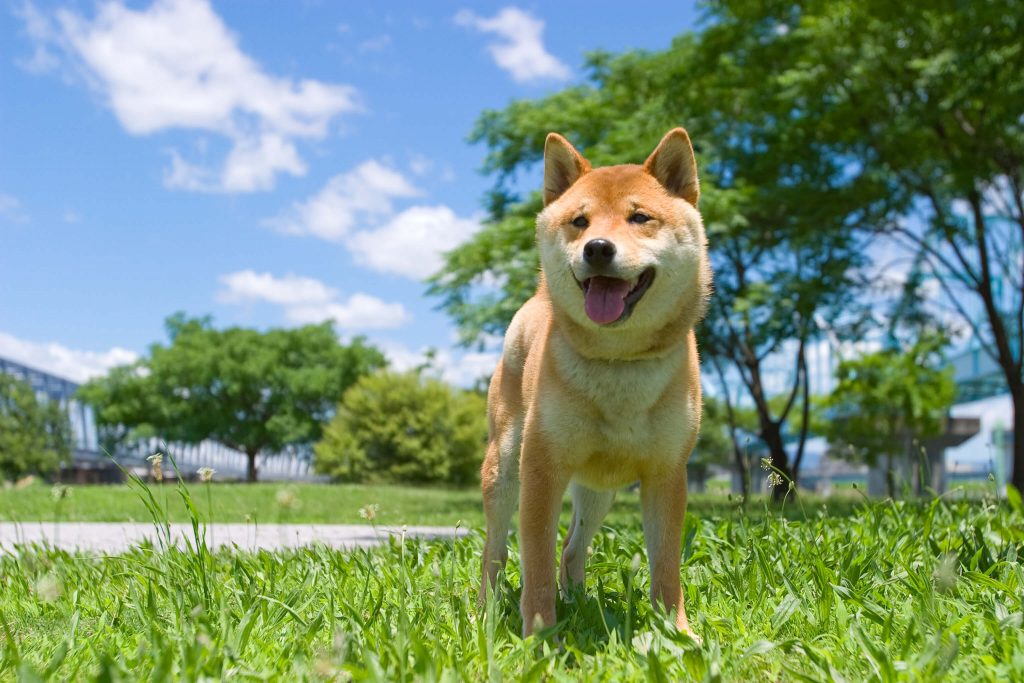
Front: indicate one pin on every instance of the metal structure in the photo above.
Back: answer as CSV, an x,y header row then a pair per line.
x,y
89,463
85,451
977,375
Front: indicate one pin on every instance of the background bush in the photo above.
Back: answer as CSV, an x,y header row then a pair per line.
x,y
404,427
35,437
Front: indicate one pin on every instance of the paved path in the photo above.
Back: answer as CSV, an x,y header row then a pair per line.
x,y
118,537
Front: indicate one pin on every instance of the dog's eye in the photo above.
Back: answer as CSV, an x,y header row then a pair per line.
x,y
580,221
639,218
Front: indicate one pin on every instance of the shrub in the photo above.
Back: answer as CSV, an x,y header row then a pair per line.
x,y
404,427
35,436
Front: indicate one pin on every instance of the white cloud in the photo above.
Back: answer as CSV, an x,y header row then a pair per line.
x,y
400,357
460,368
376,44
465,369
359,312
176,65
10,208
410,243
41,30
253,164
420,165
521,51
347,199
413,242
72,364
290,290
306,300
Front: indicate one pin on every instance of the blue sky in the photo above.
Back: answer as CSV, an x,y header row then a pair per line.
x,y
268,163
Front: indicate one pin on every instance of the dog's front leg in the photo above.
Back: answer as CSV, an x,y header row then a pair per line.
x,y
663,498
542,485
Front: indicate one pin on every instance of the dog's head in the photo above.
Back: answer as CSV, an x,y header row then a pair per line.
x,y
622,248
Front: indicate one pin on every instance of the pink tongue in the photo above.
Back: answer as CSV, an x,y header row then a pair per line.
x,y
605,299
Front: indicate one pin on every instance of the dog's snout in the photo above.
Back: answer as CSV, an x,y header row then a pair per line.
x,y
598,252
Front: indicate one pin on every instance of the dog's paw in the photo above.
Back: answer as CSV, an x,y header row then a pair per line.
x,y
692,635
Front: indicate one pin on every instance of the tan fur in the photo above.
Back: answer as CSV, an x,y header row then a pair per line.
x,y
598,407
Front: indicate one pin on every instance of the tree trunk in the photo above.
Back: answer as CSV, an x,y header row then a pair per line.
x,y
771,434
890,477
743,467
1017,462
739,457
251,472
805,418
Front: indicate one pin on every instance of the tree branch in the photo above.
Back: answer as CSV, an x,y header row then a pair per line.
x,y
800,369
805,421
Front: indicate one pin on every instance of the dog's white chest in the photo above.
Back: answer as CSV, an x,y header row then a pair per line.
x,y
615,414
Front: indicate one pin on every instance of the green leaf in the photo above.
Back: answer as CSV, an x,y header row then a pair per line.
x,y
1014,499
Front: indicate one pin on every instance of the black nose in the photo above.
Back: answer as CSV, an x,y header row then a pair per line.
x,y
598,252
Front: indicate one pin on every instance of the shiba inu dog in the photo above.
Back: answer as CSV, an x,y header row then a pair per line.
x,y
599,382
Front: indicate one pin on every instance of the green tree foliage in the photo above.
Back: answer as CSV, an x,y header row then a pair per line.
x,y
35,436
926,97
887,402
404,427
256,392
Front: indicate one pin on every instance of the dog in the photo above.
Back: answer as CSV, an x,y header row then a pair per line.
x,y
598,386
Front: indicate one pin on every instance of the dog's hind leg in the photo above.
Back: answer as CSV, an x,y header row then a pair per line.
x,y
500,483
589,508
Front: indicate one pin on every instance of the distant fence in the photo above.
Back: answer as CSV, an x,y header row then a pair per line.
x,y
293,464
90,464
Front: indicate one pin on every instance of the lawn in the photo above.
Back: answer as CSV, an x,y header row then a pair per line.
x,y
882,591
324,504
259,503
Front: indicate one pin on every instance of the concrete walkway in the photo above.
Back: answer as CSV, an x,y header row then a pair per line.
x,y
118,537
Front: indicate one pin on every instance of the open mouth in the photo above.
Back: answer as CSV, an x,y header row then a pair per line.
x,y
608,300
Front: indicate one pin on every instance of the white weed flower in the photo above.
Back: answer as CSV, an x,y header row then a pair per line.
x,y
206,473
369,512
156,461
286,498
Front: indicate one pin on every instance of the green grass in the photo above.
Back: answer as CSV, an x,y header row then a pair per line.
x,y
323,504
314,503
886,591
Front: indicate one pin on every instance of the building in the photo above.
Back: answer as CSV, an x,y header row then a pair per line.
x,y
91,464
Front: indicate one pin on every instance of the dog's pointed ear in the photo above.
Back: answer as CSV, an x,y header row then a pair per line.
x,y
673,165
563,166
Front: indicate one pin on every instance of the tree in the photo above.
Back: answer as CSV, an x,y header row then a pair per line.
x,y
714,447
927,96
886,402
256,392
35,436
404,427
785,216
127,409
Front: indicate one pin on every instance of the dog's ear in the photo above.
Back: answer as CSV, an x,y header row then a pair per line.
x,y
673,165
563,166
